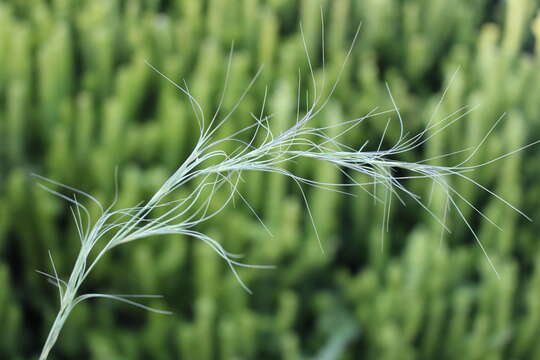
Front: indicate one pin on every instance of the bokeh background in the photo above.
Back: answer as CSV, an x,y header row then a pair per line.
x,y
77,100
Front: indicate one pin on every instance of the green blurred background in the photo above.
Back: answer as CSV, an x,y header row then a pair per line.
x,y
77,100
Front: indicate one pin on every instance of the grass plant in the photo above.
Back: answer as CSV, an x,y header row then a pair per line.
x,y
211,169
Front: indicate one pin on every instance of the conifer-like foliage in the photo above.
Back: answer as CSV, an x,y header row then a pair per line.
x,y
370,191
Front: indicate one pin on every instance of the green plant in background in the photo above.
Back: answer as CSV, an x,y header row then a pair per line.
x,y
77,99
211,168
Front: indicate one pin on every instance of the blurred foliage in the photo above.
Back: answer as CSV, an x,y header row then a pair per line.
x,y
77,100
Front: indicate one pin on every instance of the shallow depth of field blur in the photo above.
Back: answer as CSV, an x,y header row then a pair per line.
x,y
78,100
